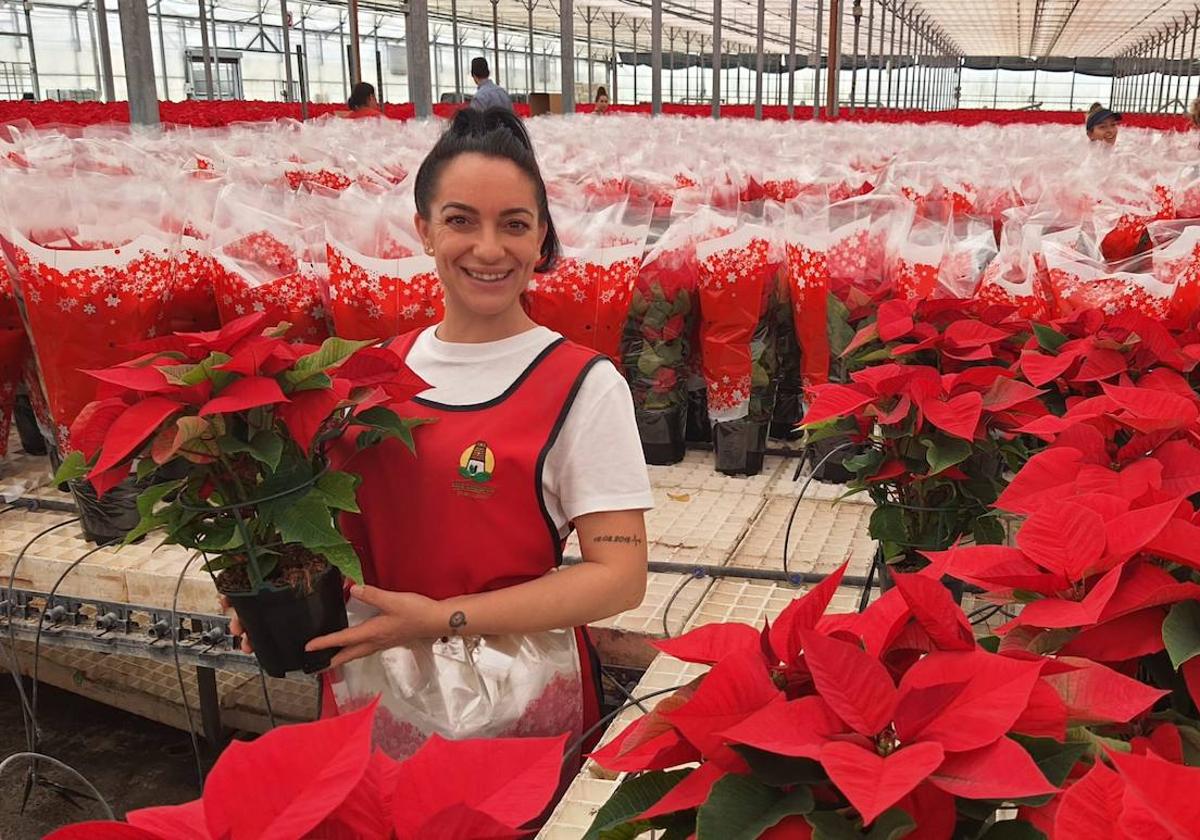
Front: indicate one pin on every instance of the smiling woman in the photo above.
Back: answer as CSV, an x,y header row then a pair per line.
x,y
467,626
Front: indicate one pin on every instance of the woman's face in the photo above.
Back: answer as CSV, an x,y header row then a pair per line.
x,y
484,233
1105,132
601,104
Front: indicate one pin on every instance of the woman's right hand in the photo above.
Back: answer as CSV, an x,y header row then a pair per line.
x,y
235,626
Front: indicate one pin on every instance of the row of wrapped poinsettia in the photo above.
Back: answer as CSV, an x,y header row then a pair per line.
x,y
1078,716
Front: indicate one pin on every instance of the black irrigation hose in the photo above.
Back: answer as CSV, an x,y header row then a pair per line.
x,y
26,709
578,743
36,757
617,683
787,535
37,639
187,706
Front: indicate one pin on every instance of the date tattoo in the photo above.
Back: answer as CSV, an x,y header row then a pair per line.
x,y
624,539
458,620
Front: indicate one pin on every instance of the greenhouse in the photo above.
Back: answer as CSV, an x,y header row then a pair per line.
x,y
566,420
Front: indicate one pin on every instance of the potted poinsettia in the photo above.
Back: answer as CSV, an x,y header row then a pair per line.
x,y
323,779
885,723
243,421
657,345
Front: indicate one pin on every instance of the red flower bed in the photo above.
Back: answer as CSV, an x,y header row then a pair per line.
x,y
203,113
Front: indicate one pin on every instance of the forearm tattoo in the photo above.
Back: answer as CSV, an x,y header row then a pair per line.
x,y
458,620
624,539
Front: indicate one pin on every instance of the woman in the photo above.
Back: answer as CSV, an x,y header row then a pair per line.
x,y
362,101
1102,124
533,436
601,101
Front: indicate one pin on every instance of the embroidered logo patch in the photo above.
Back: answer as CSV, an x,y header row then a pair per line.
x,y
477,463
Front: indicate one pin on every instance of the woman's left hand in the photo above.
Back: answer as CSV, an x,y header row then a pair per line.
x,y
403,617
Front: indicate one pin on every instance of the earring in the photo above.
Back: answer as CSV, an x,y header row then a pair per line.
x,y
428,249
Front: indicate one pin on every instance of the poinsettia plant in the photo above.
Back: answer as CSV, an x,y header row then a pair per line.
x,y
246,416
323,780
880,723
230,430
938,421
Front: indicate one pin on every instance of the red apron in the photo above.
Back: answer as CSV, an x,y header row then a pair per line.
x,y
467,514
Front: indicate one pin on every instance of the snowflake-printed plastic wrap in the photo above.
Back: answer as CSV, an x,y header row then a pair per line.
x,y
1176,261
1079,282
1011,280
263,262
916,260
381,297
381,284
193,302
1121,221
586,295
740,275
809,244
861,231
85,306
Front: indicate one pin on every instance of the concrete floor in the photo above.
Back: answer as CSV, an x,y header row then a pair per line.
x,y
133,762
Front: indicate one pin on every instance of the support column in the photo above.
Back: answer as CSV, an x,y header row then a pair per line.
x,y
817,32
879,72
1191,63
529,7
655,57
758,60
716,60
138,50
671,78
833,77
636,26
205,48
162,52
285,26
33,65
356,59
892,87
91,17
566,49
416,32
792,64
495,41
455,52
856,13
908,67
870,35
106,68
588,17
613,20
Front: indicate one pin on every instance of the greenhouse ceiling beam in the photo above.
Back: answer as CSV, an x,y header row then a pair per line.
x,y
686,13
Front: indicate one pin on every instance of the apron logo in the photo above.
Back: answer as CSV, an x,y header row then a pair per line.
x,y
477,463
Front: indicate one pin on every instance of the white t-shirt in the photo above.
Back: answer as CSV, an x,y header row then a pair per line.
x,y
596,464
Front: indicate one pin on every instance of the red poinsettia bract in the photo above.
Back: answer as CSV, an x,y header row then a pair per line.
x,y
322,780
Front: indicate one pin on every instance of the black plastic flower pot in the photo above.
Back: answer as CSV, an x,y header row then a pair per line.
x,y
699,428
739,446
662,432
912,562
281,621
107,519
832,470
786,415
28,431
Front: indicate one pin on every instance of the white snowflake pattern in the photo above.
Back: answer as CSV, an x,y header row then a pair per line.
x,y
239,309
318,312
430,312
67,304
259,306
113,301
89,309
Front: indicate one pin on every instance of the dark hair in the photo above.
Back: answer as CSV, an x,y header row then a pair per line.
x,y
360,94
479,68
600,91
495,133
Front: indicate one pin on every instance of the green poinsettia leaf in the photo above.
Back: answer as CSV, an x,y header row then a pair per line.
x,y
73,467
614,820
742,808
333,352
1181,632
337,490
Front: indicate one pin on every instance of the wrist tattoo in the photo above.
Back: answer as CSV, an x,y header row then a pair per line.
x,y
625,539
458,620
